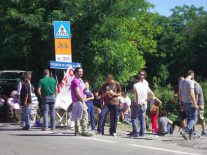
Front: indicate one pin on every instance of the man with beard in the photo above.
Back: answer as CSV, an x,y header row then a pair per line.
x,y
110,92
79,110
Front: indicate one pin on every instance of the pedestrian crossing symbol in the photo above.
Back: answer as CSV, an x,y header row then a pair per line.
x,y
61,29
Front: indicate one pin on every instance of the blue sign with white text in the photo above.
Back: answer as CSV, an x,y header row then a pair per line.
x,y
63,65
61,29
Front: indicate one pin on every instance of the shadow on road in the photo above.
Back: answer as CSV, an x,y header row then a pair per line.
x,y
45,134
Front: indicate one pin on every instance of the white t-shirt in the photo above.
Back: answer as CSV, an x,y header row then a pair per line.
x,y
142,89
13,102
127,101
145,82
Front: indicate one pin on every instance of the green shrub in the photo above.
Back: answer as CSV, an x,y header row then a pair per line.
x,y
169,101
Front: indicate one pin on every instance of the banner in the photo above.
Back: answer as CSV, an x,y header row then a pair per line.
x,y
64,99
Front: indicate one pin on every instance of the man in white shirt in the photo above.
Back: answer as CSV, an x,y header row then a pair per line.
x,y
139,105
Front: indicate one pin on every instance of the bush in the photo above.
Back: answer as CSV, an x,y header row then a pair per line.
x,y
169,101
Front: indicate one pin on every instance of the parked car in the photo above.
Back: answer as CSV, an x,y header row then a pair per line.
x,y
9,80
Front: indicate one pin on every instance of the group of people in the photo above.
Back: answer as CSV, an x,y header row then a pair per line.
x,y
191,102
109,99
25,97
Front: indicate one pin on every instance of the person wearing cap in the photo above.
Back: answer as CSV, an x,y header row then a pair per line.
x,y
13,101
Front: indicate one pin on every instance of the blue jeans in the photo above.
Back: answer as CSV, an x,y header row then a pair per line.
x,y
49,106
140,113
113,118
91,116
26,116
192,116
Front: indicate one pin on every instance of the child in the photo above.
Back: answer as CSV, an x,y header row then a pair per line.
x,y
89,103
165,125
154,109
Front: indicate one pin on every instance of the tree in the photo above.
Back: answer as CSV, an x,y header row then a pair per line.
x,y
108,36
178,45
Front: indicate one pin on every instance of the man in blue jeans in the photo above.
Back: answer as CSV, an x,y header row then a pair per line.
x,y
110,92
139,105
187,97
26,100
47,91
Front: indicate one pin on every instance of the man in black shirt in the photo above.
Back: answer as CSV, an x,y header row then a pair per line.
x,y
25,100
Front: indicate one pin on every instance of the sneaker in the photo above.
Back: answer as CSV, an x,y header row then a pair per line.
x,y
21,124
114,134
134,135
142,135
204,134
26,128
184,134
45,129
191,136
87,134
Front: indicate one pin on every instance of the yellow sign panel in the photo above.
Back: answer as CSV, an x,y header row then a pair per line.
x,y
63,46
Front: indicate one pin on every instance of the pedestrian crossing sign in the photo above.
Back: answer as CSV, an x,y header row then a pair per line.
x,y
61,29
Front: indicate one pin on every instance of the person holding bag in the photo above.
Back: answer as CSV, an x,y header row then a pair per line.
x,y
110,92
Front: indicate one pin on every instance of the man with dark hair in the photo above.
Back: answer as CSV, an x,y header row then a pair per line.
x,y
79,110
187,97
139,105
26,100
200,102
110,92
47,91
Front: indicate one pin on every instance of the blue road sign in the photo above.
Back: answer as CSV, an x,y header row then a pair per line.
x,y
63,65
61,29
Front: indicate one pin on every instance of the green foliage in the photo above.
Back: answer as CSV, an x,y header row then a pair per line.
x,y
162,76
108,36
169,102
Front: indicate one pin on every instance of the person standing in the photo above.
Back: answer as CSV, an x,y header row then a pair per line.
x,y
79,110
139,105
89,103
26,100
200,102
47,91
182,113
189,104
110,92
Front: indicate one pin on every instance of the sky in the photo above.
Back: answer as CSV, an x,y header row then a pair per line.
x,y
163,7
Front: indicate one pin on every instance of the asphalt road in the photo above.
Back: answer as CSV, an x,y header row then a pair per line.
x,y
14,141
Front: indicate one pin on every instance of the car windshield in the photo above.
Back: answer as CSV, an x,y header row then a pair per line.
x,y
10,75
